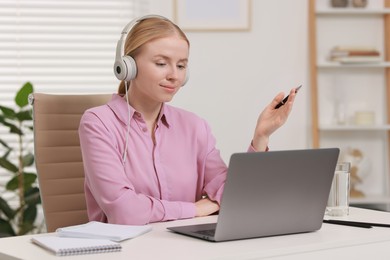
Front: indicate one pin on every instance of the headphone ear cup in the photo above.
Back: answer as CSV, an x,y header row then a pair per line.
x,y
120,69
187,77
131,68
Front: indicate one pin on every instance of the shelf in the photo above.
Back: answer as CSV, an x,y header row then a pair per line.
x,y
324,64
354,128
352,26
352,11
371,199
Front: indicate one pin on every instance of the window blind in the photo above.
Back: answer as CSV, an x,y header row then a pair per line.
x,y
60,46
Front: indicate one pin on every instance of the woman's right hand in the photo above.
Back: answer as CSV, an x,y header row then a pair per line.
x,y
271,119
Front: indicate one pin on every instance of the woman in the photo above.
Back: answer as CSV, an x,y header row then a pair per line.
x,y
146,161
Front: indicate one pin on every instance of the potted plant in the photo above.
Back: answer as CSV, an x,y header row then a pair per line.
x,y
18,219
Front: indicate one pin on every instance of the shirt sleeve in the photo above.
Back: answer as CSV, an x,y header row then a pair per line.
x,y
110,190
215,169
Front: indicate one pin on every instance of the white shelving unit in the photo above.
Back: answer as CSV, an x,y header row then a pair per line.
x,y
354,87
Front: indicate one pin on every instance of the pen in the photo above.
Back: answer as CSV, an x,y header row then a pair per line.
x,y
348,223
364,223
281,103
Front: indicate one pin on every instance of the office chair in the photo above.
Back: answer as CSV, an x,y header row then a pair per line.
x,y
58,155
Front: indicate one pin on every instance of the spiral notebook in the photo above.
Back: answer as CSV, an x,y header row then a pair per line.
x,y
94,229
63,246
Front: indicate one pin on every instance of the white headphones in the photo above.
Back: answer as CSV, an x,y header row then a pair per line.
x,y
125,67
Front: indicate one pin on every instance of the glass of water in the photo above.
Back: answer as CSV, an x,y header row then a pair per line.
x,y
338,202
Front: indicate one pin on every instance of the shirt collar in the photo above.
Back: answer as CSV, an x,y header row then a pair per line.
x,y
120,108
164,116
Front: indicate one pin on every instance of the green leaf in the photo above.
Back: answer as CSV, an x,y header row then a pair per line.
x,y
30,214
8,112
25,228
6,209
7,153
21,98
24,115
4,144
13,128
28,160
29,179
8,165
32,196
6,229
16,130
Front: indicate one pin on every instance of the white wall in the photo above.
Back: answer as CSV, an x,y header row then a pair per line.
x,y
235,74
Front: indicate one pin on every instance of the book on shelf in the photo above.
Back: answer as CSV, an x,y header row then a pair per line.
x,y
353,48
359,59
355,54
349,53
64,246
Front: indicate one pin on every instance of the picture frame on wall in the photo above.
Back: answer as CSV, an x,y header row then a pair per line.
x,y
213,15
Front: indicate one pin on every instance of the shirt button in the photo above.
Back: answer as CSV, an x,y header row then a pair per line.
x,y
144,129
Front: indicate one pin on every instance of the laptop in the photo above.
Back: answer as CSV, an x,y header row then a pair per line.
x,y
271,193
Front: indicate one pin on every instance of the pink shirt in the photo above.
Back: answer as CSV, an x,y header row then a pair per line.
x,y
158,182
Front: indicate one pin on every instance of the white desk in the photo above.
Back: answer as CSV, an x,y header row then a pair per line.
x,y
330,242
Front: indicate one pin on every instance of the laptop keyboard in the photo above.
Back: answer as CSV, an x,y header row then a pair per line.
x,y
208,232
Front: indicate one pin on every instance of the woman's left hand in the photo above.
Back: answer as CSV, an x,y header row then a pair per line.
x,y
205,207
271,119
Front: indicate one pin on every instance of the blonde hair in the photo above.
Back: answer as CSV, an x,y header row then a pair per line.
x,y
145,31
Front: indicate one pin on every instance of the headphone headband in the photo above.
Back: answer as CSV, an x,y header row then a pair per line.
x,y
120,48
125,67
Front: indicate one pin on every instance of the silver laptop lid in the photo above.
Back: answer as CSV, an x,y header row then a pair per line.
x,y
276,192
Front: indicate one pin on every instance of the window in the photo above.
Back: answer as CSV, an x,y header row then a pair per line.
x,y
60,46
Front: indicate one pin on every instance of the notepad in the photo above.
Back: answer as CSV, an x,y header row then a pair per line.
x,y
64,246
101,230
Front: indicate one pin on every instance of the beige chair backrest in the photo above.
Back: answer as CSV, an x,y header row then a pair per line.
x,y
58,155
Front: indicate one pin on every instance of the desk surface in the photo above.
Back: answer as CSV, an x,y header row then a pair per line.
x,y
330,241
